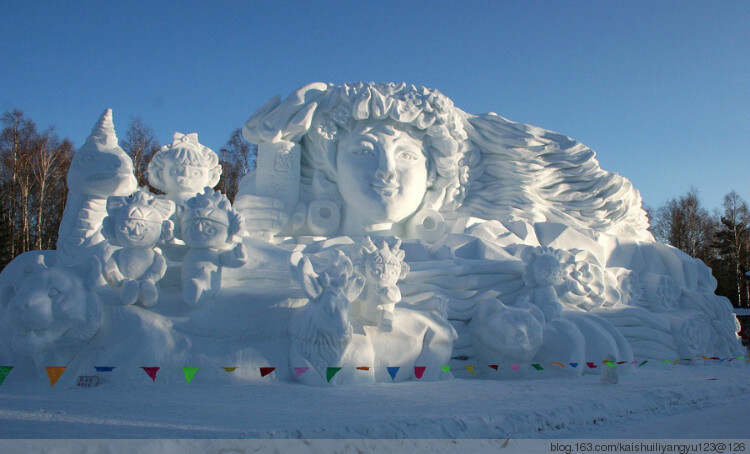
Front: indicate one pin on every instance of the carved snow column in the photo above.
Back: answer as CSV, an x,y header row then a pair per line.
x,y
278,172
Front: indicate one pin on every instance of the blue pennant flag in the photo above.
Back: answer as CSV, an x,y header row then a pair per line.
x,y
393,371
573,364
104,368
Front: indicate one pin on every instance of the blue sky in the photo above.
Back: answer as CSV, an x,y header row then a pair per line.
x,y
661,90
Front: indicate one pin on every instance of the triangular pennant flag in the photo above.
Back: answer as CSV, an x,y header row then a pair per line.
x,y
666,361
229,369
494,366
643,362
393,371
674,363
715,358
621,362
189,373
739,357
151,371
706,357
446,368
54,374
591,365
732,359
557,363
712,379
4,371
104,368
266,370
573,364
362,367
471,370
299,371
537,366
419,371
609,363
330,372
515,366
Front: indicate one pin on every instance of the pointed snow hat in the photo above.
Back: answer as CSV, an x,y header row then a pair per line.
x,y
103,134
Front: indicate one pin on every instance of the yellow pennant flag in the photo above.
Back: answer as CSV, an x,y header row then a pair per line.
x,y
471,370
54,374
229,369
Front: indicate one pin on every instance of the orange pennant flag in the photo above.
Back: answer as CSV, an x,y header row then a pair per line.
x,y
54,374
557,363
363,368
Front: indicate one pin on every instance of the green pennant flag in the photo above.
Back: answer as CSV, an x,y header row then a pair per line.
x,y
643,362
4,371
330,372
446,368
609,363
189,373
537,366
666,361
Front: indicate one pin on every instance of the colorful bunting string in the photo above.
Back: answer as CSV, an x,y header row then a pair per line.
x,y
4,371
330,372
54,374
151,371
189,373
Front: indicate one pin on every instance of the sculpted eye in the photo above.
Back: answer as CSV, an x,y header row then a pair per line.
x,y
408,156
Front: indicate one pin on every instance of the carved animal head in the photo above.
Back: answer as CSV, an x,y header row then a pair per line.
x,y
100,167
384,265
330,293
50,310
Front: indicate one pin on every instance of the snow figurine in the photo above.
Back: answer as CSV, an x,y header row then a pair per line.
x,y
210,229
543,273
384,266
609,374
137,223
183,168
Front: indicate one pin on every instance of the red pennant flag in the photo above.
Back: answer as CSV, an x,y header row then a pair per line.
x,y
621,362
419,371
591,365
494,366
151,371
266,370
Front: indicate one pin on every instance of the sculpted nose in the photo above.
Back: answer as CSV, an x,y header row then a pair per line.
x,y
386,165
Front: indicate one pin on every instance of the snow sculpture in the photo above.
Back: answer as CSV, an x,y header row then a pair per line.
x,y
183,168
384,266
209,228
321,333
475,195
137,223
51,314
100,169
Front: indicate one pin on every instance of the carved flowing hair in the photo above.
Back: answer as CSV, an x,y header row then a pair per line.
x,y
483,166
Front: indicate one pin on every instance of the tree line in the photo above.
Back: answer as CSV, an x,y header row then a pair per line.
x,y
34,164
720,238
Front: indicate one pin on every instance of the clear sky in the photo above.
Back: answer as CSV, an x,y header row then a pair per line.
x,y
660,89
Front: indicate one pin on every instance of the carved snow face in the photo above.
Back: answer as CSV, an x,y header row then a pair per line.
x,y
385,271
138,232
382,173
205,233
181,177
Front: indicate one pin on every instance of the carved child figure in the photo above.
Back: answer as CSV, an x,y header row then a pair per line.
x,y
384,267
210,229
137,223
183,168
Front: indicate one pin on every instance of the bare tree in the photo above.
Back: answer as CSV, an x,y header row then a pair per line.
x,y
732,239
686,225
237,157
140,144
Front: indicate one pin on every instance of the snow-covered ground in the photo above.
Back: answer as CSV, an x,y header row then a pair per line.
x,y
703,401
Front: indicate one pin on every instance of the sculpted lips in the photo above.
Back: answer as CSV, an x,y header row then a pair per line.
x,y
385,188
